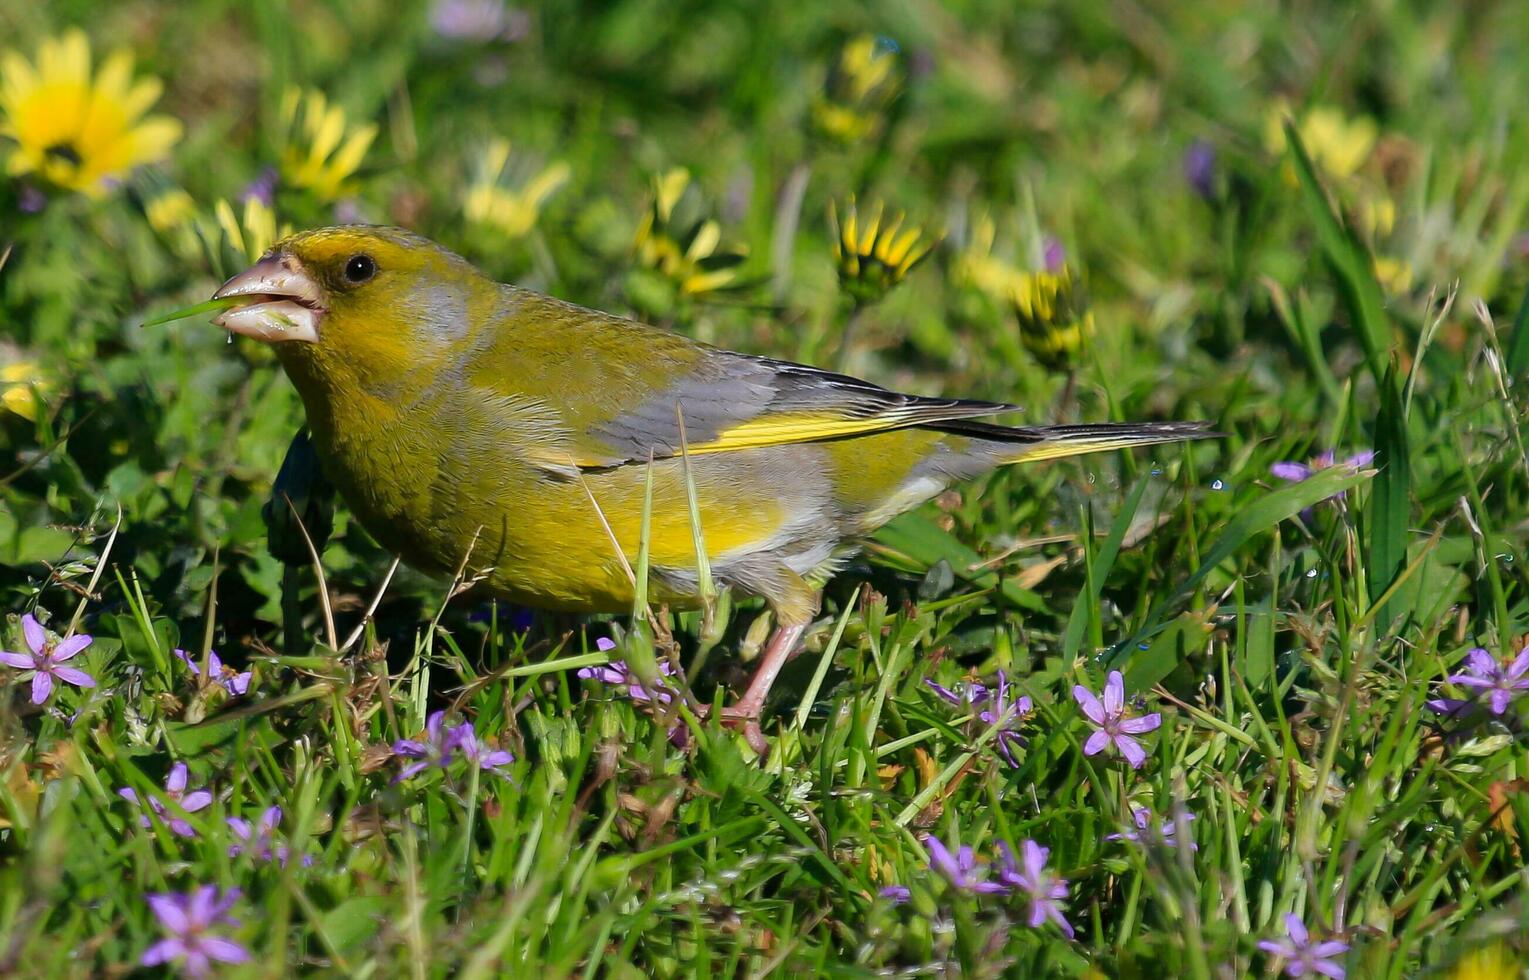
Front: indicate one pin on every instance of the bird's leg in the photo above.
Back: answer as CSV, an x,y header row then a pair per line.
x,y
744,713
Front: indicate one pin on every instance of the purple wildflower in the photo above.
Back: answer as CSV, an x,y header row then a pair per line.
x,y
1148,831
960,868
617,673
897,894
1042,887
262,188
480,755
1484,674
1451,709
993,706
1053,255
187,921
175,790
259,839
226,677
1301,955
1200,168
45,659
478,20
435,751
1113,724
30,200
1296,472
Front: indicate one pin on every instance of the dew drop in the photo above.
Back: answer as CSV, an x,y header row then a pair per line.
x,y
1311,573
1217,485
1157,471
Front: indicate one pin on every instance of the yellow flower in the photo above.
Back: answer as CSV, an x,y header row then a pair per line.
x,y
976,265
75,132
322,151
873,256
1394,275
1492,963
862,83
1337,145
676,239
246,237
515,209
1054,321
169,210
21,387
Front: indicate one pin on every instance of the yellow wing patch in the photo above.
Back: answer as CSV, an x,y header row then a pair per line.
x,y
784,429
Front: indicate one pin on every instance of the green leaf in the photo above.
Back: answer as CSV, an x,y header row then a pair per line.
x,y
1353,266
1389,504
912,541
1518,345
1261,515
1101,565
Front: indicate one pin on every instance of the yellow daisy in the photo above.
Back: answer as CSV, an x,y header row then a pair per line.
x,y
22,387
873,256
322,149
242,238
514,208
864,80
677,239
74,131
1339,146
1054,320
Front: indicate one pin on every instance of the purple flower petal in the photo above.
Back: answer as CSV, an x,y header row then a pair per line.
x,y
1114,694
941,860
1296,929
1142,725
1294,472
170,912
33,632
70,675
1096,743
22,660
1132,750
196,800
42,686
1089,703
224,950
70,648
176,781
1481,662
162,952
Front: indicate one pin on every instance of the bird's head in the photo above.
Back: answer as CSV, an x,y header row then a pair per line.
x,y
384,302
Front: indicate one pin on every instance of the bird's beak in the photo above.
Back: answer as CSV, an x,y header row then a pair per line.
x,y
281,302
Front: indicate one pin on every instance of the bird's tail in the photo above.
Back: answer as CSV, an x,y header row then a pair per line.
x,y
1022,444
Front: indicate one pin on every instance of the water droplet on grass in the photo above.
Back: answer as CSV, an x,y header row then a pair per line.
x,y
1217,485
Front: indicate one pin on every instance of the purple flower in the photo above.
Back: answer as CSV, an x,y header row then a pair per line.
x,y
1451,709
262,188
30,200
226,677
45,659
175,790
1053,255
1043,888
478,20
897,894
259,840
1113,724
617,673
1484,674
960,868
993,706
1296,472
188,920
1200,168
1301,955
1153,832
480,755
435,751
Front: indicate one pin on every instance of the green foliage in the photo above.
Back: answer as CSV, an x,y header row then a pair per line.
x,y
1297,286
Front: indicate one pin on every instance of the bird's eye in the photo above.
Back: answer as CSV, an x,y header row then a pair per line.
x,y
359,268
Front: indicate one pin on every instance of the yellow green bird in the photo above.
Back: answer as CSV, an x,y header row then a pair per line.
x,y
464,420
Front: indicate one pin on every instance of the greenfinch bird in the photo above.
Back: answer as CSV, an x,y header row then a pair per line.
x,y
480,426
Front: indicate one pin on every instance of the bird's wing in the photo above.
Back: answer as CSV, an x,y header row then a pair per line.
x,y
619,391
734,401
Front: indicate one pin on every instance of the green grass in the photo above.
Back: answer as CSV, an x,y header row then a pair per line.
x,y
1290,655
